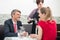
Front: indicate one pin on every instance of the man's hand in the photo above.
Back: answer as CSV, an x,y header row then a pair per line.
x,y
25,33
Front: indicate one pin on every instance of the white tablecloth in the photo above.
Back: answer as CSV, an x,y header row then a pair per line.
x,y
19,38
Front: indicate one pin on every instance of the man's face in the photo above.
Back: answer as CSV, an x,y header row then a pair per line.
x,y
40,5
17,16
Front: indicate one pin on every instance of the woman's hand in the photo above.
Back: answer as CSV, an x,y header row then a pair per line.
x,y
33,35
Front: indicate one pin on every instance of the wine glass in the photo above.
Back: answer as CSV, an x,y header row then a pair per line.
x,y
21,31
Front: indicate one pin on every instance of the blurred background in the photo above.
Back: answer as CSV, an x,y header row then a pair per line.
x,y
26,6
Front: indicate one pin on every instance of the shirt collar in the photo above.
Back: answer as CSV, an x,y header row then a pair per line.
x,y
14,22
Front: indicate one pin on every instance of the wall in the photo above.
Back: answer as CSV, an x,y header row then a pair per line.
x,y
26,6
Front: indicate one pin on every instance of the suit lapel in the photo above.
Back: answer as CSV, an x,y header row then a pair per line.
x,y
12,27
17,25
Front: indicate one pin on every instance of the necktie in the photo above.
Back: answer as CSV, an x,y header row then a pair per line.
x,y
15,28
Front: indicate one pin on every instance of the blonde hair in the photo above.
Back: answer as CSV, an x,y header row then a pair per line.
x,y
47,12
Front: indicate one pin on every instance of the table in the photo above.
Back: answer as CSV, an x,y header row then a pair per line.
x,y
19,38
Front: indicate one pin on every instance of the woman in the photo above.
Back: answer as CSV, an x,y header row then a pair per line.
x,y
34,15
46,26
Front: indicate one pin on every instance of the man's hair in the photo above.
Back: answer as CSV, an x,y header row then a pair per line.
x,y
38,1
14,11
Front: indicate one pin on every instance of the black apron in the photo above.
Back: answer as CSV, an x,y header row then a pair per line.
x,y
35,16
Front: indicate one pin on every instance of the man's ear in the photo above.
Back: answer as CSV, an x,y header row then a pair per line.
x,y
12,15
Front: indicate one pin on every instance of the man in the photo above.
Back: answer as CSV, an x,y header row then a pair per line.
x,y
34,15
11,26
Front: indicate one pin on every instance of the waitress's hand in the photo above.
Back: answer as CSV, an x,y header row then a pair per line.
x,y
30,20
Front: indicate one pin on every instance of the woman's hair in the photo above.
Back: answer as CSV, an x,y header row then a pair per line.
x,y
38,1
47,12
